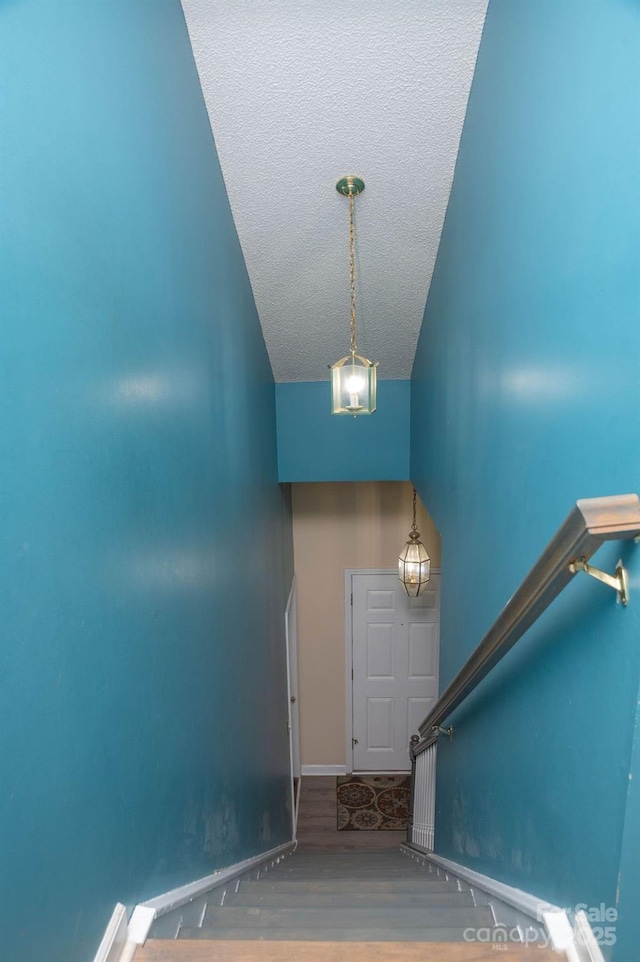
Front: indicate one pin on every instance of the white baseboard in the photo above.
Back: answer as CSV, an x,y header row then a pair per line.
x,y
323,770
115,936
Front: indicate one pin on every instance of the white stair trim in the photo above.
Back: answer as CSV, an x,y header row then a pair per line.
x,y
186,893
115,936
120,939
507,903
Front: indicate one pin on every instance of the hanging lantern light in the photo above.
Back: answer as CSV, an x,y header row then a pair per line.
x,y
414,564
353,378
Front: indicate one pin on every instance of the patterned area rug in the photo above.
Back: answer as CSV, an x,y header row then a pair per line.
x,y
373,803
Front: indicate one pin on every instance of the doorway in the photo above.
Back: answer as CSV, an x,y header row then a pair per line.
x,y
392,644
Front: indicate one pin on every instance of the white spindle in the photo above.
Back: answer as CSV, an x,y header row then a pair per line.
x,y
424,800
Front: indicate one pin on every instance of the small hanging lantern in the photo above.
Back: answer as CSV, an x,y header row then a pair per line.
x,y
414,564
353,378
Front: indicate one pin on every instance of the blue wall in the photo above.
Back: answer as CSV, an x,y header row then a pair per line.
x,y
629,876
315,445
525,398
143,706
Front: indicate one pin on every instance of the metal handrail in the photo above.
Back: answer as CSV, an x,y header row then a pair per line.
x,y
592,522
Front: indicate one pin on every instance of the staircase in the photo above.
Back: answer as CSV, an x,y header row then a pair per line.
x,y
335,906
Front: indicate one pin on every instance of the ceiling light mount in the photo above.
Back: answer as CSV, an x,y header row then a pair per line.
x,y
350,186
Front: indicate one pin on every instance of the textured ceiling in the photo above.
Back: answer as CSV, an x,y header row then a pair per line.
x,y
301,92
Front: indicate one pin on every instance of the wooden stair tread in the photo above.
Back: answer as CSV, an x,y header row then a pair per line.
x,y
419,885
396,855
360,869
295,899
356,874
307,933
294,951
416,917
312,840
390,859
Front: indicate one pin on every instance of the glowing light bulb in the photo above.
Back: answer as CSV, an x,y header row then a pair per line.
x,y
355,383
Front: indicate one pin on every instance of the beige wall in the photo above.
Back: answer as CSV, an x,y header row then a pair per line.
x,y
336,526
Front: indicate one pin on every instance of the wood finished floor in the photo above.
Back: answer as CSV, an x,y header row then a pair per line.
x,y
239,951
317,822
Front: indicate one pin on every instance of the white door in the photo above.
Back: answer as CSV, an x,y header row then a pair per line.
x,y
395,668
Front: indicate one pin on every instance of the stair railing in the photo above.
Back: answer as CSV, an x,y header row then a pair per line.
x,y
591,522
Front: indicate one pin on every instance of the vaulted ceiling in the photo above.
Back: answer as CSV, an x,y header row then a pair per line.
x,y
302,92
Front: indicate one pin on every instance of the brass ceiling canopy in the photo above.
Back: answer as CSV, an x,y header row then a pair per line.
x,y
350,186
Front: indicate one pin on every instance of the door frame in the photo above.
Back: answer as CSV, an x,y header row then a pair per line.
x,y
293,714
348,643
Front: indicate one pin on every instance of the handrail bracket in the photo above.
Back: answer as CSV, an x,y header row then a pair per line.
x,y
439,730
619,581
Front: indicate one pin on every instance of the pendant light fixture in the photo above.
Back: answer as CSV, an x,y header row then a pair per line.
x,y
353,378
414,564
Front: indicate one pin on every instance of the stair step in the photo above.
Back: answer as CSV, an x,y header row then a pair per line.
x,y
295,898
394,855
368,933
389,856
352,860
310,874
322,839
291,951
346,917
425,885
382,870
